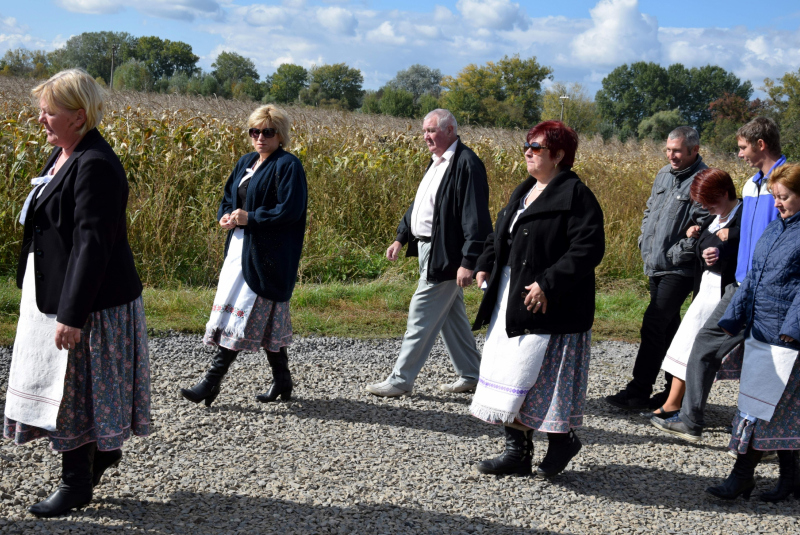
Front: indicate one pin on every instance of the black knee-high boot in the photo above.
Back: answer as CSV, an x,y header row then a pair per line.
x,y
281,377
741,479
75,488
561,448
208,388
788,478
103,460
516,458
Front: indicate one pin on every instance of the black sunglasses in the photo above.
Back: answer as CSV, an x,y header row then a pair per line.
x,y
268,132
535,147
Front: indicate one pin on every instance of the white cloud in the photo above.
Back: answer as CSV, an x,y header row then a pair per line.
x,y
269,16
442,15
493,14
620,33
385,34
338,20
93,7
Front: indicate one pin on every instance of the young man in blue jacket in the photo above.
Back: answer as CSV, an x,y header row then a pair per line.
x,y
760,146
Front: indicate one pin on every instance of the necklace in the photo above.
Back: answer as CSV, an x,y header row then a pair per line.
x,y
538,188
726,216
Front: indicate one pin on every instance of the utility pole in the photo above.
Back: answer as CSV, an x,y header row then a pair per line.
x,y
113,51
562,99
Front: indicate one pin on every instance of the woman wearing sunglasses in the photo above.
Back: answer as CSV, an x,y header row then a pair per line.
x,y
264,211
538,267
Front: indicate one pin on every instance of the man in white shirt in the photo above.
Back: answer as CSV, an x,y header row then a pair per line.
x,y
445,227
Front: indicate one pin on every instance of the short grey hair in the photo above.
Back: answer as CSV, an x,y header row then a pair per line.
x,y
688,134
443,119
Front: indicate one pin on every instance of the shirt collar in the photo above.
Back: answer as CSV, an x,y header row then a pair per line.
x,y
451,150
760,175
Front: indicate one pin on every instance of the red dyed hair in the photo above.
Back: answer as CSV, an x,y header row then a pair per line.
x,y
710,185
557,136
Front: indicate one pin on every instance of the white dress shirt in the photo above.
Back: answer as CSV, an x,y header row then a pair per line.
x,y
422,214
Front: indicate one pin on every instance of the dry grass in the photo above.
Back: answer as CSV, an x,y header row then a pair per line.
x,y
362,171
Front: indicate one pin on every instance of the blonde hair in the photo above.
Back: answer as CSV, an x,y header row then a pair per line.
x,y
788,176
73,89
272,114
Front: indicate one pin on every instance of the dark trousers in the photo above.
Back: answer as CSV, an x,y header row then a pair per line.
x,y
710,346
659,325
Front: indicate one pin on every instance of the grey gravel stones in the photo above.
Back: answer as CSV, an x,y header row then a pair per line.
x,y
339,460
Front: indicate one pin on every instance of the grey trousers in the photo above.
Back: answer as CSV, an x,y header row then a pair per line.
x,y
435,307
710,347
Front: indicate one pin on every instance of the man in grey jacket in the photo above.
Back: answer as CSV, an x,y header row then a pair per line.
x,y
668,256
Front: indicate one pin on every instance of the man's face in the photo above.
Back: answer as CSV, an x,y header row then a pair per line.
x,y
679,155
752,154
436,139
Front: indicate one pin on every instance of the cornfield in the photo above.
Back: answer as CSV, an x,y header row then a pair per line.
x,y
362,171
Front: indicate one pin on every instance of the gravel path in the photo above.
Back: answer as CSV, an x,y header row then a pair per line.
x,y
338,460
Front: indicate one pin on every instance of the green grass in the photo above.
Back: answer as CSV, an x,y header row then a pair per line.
x,y
365,310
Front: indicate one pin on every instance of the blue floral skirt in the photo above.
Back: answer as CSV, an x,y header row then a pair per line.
x,y
269,326
555,402
106,388
782,432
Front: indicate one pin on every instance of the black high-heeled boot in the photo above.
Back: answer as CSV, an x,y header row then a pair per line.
x,y
103,460
741,479
281,378
516,458
561,448
208,388
75,488
788,478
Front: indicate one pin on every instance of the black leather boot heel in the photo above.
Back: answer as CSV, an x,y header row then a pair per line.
x,y
281,378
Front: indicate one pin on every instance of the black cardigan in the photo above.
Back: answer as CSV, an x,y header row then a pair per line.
x,y
461,219
725,265
276,205
557,242
78,232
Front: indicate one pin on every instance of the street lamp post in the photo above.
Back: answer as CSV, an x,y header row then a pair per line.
x,y
563,98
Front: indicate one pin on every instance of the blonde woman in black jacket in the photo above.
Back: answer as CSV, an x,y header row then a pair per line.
x,y
538,270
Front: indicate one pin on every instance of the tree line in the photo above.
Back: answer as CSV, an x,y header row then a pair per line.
x,y
640,100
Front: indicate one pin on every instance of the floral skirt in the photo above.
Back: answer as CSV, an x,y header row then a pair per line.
x,y
555,403
269,325
106,388
782,432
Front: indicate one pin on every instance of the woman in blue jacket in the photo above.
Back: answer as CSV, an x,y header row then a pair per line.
x,y
264,210
767,307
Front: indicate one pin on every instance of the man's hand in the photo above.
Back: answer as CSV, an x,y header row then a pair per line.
x,y
464,277
481,277
67,337
393,251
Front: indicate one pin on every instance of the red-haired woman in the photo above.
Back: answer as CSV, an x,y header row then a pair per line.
x,y
538,270
716,250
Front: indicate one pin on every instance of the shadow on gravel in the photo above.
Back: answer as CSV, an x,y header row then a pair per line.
x,y
201,514
654,487
355,411
716,415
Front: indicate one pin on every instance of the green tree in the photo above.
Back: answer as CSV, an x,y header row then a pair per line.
x,y
371,103
427,103
506,93
334,85
133,75
580,112
164,58
784,99
658,126
418,80
728,113
397,102
92,51
629,94
287,82
230,67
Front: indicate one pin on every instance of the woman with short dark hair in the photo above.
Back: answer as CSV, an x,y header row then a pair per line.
x,y
538,271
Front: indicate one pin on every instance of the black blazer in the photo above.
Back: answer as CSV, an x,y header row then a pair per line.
x,y
461,218
557,242
725,265
78,233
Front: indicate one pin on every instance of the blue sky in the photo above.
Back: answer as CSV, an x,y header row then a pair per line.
x,y
582,40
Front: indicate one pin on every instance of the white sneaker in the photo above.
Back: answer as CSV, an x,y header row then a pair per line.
x,y
461,385
386,390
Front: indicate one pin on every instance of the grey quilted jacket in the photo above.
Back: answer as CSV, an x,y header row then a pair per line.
x,y
670,212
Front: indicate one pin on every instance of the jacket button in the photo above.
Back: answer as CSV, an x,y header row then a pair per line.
x,y
38,274
527,331
524,232
524,262
524,295
38,252
38,230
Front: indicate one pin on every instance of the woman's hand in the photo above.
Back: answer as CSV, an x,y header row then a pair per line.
x,y
226,222
535,300
240,216
693,231
481,277
711,255
722,234
787,339
67,337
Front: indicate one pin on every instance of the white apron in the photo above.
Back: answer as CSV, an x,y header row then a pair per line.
x,y
765,372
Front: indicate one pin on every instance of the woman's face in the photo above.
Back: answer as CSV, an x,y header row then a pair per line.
x,y
541,165
61,125
786,201
720,206
266,145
